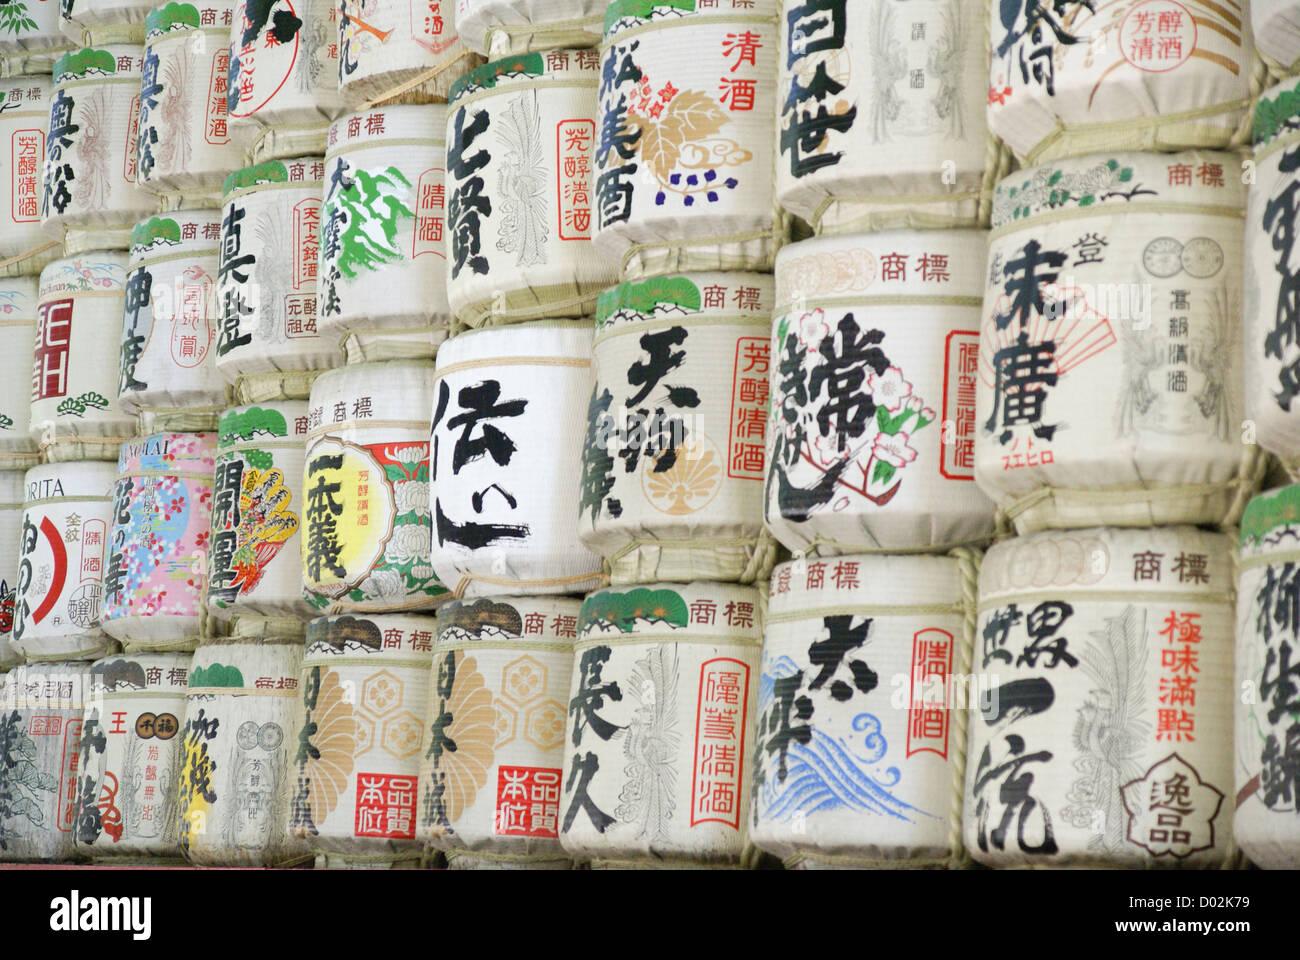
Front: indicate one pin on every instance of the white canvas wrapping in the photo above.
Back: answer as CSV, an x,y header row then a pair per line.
x,y
74,413
685,168
506,459
1102,736
872,654
34,40
1276,26
658,767
521,142
1110,362
18,448
882,108
25,247
402,51
87,15
501,28
672,476
11,526
383,260
499,691
1130,75
871,441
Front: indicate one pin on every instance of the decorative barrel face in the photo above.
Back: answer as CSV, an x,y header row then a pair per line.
x,y
684,170
1172,74
18,313
1103,737
858,731
365,684
1276,26
1119,277
871,441
502,28
129,766
383,266
492,759
506,460
882,114
63,556
33,36
156,584
74,411
672,468
237,749
266,280
521,143
255,543
41,711
403,48
11,526
1267,732
24,120
168,366
367,522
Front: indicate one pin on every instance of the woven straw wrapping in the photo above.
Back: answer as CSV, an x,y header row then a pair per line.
x,y
501,28
399,53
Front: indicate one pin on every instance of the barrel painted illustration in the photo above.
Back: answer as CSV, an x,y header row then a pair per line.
x,y
502,28
33,39
11,526
1276,26
25,247
399,51
18,311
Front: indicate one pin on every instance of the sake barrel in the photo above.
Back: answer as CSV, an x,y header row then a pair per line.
x,y
130,759
24,117
365,684
502,28
1110,344
74,410
367,522
506,461
168,371
33,39
156,588
657,768
1102,733
284,72
18,449
521,138
394,52
266,277
62,558
11,525
672,468
882,115
185,144
1132,75
684,169
90,198
871,439
237,748
492,759
41,708
1267,732
254,549
86,16
1276,28
383,264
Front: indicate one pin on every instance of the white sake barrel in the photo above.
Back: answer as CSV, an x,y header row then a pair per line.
x,y
399,52
92,16
63,557
383,262
365,685
33,39
156,587
254,551
130,760
284,71
1268,646
11,527
501,28
521,143
506,461
684,164
25,247
882,115
266,281
168,372
185,143
74,413
1102,734
41,708
1276,26
500,695
1110,344
367,521
1132,75
90,198
657,767
871,444
18,448
861,734
672,469
237,748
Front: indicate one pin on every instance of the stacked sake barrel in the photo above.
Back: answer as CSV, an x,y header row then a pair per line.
x,y
24,119
1276,25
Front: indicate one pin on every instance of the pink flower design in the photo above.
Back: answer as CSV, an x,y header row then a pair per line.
x,y
889,389
894,449
813,329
